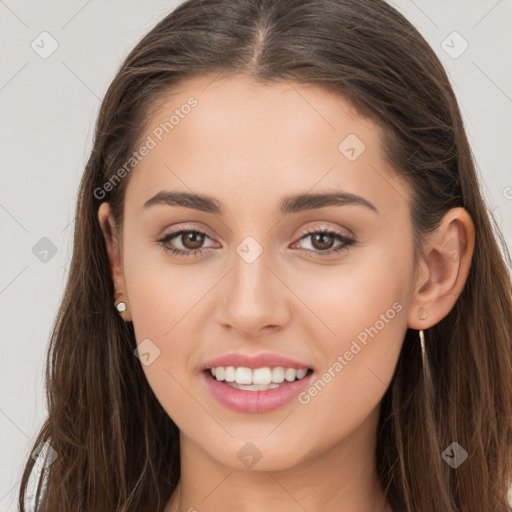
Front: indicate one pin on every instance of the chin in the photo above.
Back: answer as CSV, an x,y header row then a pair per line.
x,y
258,456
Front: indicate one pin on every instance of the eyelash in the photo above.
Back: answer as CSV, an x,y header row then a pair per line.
x,y
346,242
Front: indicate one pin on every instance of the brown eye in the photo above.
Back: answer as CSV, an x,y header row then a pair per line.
x,y
322,241
192,240
185,242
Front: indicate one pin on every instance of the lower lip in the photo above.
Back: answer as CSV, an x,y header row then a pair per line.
x,y
255,401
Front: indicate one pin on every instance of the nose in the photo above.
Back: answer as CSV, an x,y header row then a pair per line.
x,y
253,298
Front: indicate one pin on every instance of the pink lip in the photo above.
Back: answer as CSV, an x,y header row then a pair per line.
x,y
254,401
254,361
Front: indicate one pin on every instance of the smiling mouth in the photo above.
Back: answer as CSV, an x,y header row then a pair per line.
x,y
257,379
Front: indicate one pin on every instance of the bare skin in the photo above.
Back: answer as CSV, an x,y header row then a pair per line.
x,y
249,146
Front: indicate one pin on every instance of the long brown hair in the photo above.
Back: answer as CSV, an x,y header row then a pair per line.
x,y
117,448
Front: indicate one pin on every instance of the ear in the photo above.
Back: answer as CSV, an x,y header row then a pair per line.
x,y
444,268
111,235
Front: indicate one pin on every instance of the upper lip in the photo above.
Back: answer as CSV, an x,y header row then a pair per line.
x,y
237,359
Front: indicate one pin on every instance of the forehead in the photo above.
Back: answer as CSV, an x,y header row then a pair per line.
x,y
234,138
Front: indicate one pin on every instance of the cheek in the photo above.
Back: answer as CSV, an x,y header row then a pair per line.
x,y
159,313
161,298
161,293
365,307
352,297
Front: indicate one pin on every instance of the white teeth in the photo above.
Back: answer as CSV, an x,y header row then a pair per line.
x,y
290,374
243,376
230,374
301,373
257,379
262,376
278,374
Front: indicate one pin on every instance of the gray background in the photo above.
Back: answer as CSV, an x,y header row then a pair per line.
x,y
49,106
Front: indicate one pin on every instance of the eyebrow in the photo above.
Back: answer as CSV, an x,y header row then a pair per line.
x,y
289,205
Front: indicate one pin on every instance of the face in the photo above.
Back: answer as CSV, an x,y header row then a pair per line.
x,y
262,284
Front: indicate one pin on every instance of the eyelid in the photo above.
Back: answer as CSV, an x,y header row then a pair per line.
x,y
166,236
192,227
325,228
347,240
305,231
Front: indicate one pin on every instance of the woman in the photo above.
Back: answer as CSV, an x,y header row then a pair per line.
x,y
285,291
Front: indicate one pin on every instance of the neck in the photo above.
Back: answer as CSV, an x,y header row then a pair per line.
x,y
341,478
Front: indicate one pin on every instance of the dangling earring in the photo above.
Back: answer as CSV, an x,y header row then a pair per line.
x,y
427,377
423,351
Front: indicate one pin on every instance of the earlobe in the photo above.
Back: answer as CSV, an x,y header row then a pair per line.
x,y
445,265
109,230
